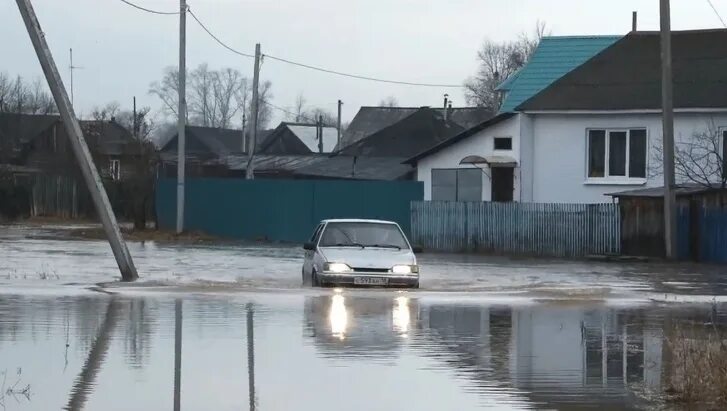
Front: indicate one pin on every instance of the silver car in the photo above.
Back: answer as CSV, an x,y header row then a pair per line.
x,y
360,253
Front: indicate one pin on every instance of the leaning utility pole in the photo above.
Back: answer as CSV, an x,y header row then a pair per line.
x,y
670,225
338,141
181,113
78,143
249,170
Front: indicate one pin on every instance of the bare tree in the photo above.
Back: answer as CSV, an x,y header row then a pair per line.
x,y
497,62
167,90
227,87
5,86
216,98
299,109
39,99
106,112
701,159
265,112
202,102
18,96
389,101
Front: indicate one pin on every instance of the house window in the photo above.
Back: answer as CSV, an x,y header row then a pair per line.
x,y
617,153
457,185
503,143
115,169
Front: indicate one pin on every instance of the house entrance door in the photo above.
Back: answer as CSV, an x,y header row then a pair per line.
x,y
502,184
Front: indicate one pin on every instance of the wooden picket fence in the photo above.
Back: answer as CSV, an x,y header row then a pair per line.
x,y
559,230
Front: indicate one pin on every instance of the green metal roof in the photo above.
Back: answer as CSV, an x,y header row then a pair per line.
x,y
554,58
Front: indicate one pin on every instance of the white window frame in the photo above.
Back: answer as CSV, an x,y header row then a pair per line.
x,y
616,180
502,149
115,172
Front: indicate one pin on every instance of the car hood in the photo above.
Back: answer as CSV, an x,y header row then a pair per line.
x,y
368,257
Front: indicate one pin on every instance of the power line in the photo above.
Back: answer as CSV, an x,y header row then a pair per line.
x,y
220,42
356,76
717,13
406,83
148,10
304,117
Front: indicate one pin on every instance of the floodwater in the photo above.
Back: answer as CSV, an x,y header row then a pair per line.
x,y
230,327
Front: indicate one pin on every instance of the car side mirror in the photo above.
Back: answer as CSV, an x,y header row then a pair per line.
x,y
417,249
309,246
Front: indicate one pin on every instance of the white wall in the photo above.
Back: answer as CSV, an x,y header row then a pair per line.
x,y
559,141
480,144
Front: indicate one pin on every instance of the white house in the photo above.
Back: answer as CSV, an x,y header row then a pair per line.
x,y
593,131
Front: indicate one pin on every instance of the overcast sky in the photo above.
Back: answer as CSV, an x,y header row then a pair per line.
x,y
122,50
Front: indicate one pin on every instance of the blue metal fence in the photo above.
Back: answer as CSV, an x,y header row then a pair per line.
x,y
562,230
282,210
702,234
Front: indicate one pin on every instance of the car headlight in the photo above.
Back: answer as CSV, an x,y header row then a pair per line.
x,y
405,269
337,268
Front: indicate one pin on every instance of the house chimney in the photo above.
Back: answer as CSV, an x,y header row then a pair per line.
x,y
446,100
634,21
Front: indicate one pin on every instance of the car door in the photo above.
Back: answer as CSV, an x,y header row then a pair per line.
x,y
310,254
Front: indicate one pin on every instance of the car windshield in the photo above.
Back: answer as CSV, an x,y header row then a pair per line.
x,y
363,235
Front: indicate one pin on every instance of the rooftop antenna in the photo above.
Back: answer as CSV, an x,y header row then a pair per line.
x,y
71,67
446,100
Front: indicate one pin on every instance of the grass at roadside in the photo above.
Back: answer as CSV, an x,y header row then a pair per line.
x,y
162,236
698,369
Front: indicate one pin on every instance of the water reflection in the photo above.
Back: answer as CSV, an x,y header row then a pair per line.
x,y
342,325
85,381
249,352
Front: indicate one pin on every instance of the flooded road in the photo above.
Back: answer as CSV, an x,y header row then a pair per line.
x,y
230,327
39,258
334,351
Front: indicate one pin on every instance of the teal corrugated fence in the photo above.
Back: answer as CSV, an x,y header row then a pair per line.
x,y
561,230
282,210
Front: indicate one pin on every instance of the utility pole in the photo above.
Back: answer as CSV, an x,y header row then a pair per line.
x,y
338,141
78,143
244,139
670,226
135,124
181,113
320,134
249,171
251,356
177,355
71,68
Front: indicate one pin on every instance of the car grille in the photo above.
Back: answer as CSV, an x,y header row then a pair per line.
x,y
370,270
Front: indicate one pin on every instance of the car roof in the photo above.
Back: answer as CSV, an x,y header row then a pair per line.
x,y
357,220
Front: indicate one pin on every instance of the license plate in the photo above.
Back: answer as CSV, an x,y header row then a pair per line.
x,y
370,281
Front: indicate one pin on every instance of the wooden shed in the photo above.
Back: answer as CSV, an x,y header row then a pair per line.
x,y
701,223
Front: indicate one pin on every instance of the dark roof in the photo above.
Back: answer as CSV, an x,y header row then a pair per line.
x,y
113,138
370,120
358,168
319,166
459,137
627,75
298,138
17,130
419,131
681,190
218,141
552,59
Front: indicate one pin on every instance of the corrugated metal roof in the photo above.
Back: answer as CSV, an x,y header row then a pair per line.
x,y
554,57
315,165
682,190
307,134
371,120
